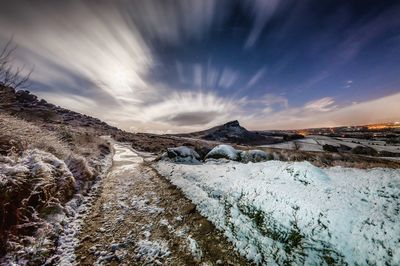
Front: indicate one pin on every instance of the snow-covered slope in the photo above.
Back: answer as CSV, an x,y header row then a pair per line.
x,y
281,212
316,142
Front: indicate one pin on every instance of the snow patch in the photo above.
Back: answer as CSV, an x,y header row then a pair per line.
x,y
151,251
143,205
282,212
194,249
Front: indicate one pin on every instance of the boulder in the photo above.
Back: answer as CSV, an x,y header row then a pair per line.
x,y
25,96
224,152
182,154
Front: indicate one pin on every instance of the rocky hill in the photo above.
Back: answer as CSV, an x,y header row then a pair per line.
x,y
232,132
28,106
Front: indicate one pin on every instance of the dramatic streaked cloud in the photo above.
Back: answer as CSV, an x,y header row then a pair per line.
x,y
228,78
257,76
262,10
178,107
174,66
321,105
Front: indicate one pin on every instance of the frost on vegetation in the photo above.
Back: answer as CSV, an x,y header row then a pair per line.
x,y
254,156
81,170
32,188
37,194
150,251
194,248
295,213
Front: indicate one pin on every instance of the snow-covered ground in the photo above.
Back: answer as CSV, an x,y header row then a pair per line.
x,y
315,143
283,212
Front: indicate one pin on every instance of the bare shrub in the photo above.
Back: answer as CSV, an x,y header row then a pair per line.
x,y
11,76
296,145
81,170
31,187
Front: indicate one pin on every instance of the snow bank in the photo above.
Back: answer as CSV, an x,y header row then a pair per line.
x,y
281,212
224,151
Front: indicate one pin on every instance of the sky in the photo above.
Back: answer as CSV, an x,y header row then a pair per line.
x,y
185,65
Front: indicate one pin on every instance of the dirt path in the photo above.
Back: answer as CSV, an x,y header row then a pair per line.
x,y
139,218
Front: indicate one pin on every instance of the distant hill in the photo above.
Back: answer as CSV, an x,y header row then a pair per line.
x,y
232,132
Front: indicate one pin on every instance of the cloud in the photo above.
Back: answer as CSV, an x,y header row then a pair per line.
x,y
321,105
272,99
198,75
262,11
172,22
228,78
190,118
256,77
190,109
90,43
267,102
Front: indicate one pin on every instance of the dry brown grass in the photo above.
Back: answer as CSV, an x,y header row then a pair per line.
x,y
32,186
42,166
17,135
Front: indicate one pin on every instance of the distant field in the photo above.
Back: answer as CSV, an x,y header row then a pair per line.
x,y
316,142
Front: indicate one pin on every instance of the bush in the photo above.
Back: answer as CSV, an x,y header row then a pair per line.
x,y
292,137
255,156
81,170
32,187
329,148
364,150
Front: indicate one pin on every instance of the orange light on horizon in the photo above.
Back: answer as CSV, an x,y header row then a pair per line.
x,y
383,126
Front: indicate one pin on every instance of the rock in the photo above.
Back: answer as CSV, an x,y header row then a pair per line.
x,y
224,152
93,249
25,96
182,154
114,247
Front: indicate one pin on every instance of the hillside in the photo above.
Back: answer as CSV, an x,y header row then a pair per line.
x,y
232,132
29,107
24,105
